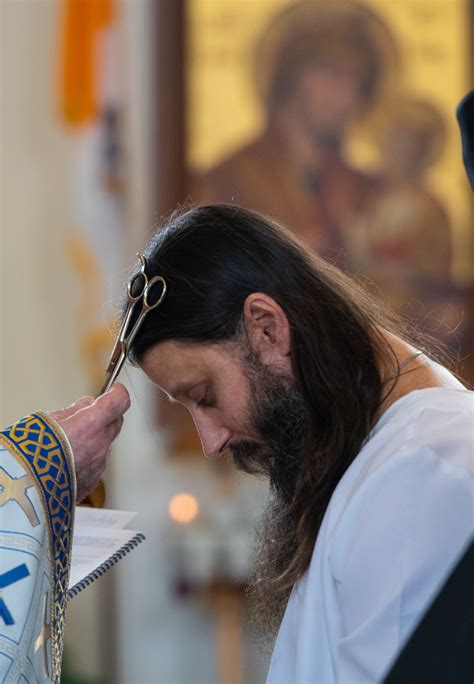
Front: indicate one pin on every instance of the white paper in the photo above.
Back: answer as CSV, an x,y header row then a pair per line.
x,y
102,517
98,535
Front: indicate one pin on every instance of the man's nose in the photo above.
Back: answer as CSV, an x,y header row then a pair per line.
x,y
213,438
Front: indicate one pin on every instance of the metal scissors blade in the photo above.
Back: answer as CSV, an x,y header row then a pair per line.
x,y
116,361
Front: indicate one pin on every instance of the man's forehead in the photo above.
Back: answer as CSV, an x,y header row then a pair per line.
x,y
176,367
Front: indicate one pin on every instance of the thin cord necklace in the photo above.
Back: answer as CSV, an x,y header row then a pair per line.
x,y
403,365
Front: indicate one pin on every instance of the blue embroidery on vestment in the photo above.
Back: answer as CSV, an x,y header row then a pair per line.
x,y
7,578
37,443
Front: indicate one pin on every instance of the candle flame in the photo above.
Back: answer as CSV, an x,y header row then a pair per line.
x,y
183,508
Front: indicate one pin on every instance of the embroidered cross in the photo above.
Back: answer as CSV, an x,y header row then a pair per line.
x,y
6,579
14,489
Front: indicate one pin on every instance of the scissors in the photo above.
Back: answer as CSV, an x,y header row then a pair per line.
x,y
138,289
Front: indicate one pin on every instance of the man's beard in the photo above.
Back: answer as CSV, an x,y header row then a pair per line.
x,y
279,417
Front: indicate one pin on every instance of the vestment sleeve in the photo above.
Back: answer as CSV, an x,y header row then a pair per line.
x,y
404,530
37,500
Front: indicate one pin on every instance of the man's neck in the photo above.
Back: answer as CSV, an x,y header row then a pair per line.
x,y
418,372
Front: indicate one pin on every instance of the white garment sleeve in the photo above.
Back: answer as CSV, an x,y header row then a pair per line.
x,y
25,576
37,500
401,534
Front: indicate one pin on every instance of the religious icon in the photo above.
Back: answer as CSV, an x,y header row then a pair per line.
x,y
319,68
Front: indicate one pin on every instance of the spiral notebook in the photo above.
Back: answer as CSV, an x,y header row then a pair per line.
x,y
100,540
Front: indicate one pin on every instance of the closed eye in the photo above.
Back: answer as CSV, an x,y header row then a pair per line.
x,y
206,402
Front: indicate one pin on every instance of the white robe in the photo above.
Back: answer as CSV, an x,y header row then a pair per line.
x,y
37,498
398,521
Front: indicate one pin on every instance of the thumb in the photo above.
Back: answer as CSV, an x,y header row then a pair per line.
x,y
110,406
62,414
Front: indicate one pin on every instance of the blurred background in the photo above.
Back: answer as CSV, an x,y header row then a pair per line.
x,y
335,117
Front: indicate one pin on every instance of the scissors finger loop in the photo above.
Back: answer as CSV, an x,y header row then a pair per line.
x,y
149,294
137,286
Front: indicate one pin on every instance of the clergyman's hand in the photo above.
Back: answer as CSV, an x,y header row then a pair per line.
x,y
91,425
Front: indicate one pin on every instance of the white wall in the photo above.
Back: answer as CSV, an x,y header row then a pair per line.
x,y
40,365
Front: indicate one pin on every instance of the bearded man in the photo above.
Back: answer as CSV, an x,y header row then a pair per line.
x,y
366,441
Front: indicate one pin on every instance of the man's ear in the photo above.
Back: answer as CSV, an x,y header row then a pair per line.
x,y
267,328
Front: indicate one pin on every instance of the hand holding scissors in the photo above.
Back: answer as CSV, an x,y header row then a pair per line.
x,y
139,289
